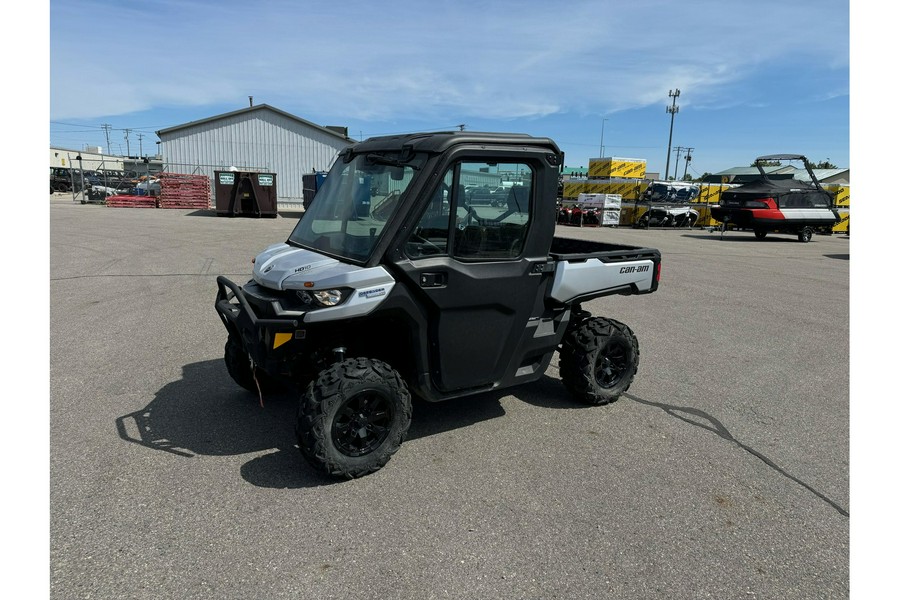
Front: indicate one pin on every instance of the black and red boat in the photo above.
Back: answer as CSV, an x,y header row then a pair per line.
x,y
778,205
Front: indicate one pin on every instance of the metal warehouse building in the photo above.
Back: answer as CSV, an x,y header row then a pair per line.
x,y
258,138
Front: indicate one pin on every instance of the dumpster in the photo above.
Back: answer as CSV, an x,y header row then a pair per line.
x,y
311,184
245,194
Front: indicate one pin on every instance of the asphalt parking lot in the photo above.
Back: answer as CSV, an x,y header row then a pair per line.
x,y
722,473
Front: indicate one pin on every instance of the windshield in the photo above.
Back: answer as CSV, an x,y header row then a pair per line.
x,y
354,203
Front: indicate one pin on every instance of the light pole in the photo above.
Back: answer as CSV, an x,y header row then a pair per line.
x,y
671,109
602,129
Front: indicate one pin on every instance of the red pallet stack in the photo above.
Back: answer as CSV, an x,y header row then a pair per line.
x,y
131,201
183,191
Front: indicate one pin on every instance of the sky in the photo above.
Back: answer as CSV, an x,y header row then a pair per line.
x,y
754,78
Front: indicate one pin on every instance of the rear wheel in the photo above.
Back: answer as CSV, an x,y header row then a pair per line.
x,y
353,417
598,360
805,234
760,233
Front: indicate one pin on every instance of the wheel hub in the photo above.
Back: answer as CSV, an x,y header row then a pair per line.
x,y
362,423
611,365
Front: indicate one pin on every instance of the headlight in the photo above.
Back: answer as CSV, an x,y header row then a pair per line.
x,y
327,297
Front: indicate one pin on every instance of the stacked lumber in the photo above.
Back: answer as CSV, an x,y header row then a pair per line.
x,y
177,190
131,201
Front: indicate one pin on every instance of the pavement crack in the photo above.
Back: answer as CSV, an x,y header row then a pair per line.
x,y
704,420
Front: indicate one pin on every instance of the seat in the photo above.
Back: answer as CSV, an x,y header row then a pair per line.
x,y
516,201
470,241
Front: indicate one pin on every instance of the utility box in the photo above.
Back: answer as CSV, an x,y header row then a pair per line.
x,y
245,194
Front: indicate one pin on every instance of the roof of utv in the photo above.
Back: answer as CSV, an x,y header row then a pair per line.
x,y
441,140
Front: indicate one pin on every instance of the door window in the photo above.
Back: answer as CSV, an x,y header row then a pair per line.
x,y
480,211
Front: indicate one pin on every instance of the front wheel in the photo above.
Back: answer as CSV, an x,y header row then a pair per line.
x,y
598,360
760,233
805,234
241,369
353,417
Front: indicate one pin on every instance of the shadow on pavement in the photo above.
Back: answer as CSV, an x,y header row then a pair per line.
x,y
206,413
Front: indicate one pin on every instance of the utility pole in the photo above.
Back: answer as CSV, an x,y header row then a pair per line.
x,y
106,127
671,109
687,161
678,150
141,144
128,145
602,129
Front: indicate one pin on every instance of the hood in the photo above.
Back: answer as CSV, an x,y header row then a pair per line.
x,y
276,264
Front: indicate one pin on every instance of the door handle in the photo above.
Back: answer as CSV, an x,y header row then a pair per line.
x,y
432,280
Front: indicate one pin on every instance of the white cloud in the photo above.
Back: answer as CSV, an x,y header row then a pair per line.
x,y
387,59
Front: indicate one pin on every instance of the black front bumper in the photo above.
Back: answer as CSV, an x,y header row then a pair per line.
x,y
263,338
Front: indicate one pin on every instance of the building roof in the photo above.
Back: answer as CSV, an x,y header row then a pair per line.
x,y
250,109
821,174
752,170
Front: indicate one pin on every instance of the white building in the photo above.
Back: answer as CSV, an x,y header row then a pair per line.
x,y
90,161
257,138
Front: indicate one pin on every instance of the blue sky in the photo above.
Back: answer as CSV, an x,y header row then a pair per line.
x,y
760,78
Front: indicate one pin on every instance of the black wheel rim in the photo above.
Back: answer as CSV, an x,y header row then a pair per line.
x,y
362,423
612,364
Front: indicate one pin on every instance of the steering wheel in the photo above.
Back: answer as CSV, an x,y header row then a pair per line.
x,y
417,237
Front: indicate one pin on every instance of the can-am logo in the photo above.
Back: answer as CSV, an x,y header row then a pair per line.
x,y
634,269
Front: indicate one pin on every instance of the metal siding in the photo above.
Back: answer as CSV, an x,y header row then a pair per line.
x,y
262,140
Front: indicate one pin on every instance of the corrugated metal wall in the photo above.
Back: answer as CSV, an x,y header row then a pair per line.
x,y
261,140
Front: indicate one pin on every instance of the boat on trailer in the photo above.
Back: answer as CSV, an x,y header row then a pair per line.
x,y
778,205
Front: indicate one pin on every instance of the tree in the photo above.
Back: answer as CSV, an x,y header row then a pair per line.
x,y
767,163
824,164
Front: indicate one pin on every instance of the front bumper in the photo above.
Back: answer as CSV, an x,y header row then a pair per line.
x,y
269,342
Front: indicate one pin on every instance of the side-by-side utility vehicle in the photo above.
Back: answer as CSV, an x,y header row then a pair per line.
x,y
393,284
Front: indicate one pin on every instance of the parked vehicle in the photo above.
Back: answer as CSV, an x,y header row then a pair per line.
x,y
668,216
778,205
64,180
670,191
421,293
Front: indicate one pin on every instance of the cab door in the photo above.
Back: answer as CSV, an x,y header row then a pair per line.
x,y
476,265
